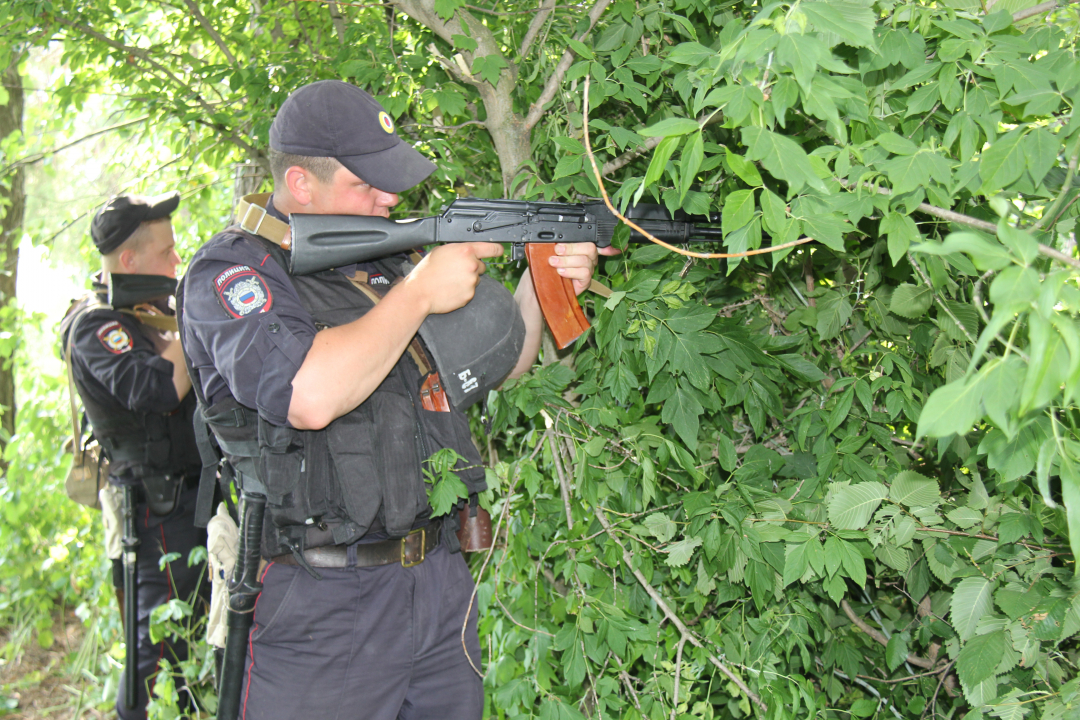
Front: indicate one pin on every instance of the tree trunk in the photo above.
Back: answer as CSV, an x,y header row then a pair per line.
x,y
12,206
508,130
247,177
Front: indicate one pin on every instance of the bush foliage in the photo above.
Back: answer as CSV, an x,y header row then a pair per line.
x,y
842,479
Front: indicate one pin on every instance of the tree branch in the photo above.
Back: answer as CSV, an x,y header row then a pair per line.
x,y
31,159
339,21
536,110
194,8
1040,9
683,630
983,225
535,26
877,636
143,55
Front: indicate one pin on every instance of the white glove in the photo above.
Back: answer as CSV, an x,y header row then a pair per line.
x,y
223,538
111,498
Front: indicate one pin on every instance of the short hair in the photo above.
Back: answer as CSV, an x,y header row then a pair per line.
x,y
134,242
323,168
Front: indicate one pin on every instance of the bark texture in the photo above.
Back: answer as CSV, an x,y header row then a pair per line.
x,y
12,209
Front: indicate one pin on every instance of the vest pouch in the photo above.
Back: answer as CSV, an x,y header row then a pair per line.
x,y
280,466
156,453
451,430
235,428
292,466
375,456
162,492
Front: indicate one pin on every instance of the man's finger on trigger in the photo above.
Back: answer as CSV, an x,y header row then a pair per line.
x,y
487,249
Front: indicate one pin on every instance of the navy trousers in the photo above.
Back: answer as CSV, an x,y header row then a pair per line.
x,y
378,643
158,536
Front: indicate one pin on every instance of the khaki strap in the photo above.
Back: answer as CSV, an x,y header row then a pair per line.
x,y
600,288
251,214
161,322
76,434
360,280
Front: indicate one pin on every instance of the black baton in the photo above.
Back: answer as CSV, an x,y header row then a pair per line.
x,y
130,543
244,589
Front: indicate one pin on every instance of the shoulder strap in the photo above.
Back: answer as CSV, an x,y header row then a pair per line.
x,y
76,430
251,214
208,452
161,322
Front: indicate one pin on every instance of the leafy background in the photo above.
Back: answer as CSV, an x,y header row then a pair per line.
x,y
830,481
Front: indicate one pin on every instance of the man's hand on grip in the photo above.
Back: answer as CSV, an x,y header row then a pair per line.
x,y
447,277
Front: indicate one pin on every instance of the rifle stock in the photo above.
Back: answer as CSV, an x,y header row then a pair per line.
x,y
321,242
128,290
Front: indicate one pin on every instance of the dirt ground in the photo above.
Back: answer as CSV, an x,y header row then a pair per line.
x,y
36,681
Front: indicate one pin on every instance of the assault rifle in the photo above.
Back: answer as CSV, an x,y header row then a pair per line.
x,y
320,242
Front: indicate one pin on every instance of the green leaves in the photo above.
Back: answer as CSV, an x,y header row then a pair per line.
x,y
489,67
971,601
1003,162
914,490
670,127
853,22
852,507
738,210
950,409
980,657
911,301
782,157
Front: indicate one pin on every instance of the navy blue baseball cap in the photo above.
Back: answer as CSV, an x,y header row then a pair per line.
x,y
331,118
122,216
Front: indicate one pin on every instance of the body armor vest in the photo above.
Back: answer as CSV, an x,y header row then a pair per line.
x,y
157,449
363,472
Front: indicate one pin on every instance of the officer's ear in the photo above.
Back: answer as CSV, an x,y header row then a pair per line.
x,y
127,260
300,184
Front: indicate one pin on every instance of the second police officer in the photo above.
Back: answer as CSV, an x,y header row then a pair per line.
x,y
130,375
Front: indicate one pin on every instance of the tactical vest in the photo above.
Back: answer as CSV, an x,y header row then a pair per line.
x,y
157,449
363,472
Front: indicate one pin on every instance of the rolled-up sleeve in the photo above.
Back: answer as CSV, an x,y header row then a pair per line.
x,y
246,332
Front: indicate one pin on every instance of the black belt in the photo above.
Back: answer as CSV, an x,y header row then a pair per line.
x,y
409,551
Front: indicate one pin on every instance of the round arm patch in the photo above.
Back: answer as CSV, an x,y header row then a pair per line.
x,y
115,337
243,291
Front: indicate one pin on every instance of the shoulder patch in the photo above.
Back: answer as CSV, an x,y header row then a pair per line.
x,y
242,291
114,337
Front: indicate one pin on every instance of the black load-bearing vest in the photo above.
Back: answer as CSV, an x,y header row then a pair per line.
x,y
146,446
363,472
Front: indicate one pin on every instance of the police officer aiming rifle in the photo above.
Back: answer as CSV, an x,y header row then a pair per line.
x,y
127,366
314,389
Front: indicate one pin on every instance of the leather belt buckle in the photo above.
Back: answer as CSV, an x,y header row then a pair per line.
x,y
405,549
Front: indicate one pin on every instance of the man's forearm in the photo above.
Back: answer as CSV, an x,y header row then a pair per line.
x,y
180,378
346,363
534,325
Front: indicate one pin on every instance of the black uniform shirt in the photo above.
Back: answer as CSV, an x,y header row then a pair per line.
x,y
116,361
245,330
